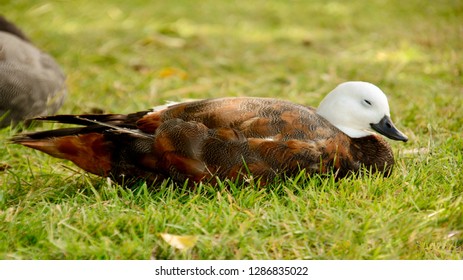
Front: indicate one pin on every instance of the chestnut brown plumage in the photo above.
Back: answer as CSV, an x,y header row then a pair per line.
x,y
215,138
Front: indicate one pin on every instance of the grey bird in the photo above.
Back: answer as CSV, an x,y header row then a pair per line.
x,y
31,82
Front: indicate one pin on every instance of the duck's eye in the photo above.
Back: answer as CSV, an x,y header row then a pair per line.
x,y
367,102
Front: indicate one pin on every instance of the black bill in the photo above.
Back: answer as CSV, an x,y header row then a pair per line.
x,y
387,128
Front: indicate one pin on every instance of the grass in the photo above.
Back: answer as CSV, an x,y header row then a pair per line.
x,y
124,56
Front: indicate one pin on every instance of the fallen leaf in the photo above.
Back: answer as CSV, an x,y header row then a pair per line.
x,y
95,111
173,72
182,242
4,166
141,68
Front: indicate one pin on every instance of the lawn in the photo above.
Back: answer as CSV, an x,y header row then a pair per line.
x,y
124,56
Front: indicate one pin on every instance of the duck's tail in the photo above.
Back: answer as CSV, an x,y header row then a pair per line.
x,y
97,146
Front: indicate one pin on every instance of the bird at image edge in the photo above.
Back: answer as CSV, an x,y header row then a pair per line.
x,y
230,138
31,82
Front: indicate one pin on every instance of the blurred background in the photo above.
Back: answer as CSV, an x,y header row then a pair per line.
x,y
122,56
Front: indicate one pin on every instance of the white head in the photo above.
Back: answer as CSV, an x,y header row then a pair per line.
x,y
358,108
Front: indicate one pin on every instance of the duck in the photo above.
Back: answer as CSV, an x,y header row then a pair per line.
x,y
31,82
230,138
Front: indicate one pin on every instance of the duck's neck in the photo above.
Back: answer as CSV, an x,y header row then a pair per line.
x,y
354,133
374,152
348,130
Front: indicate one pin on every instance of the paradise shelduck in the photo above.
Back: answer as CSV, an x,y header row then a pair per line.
x,y
230,138
31,82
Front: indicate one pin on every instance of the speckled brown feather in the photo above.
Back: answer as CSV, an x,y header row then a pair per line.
x,y
216,138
